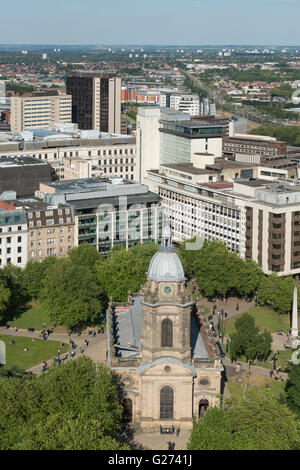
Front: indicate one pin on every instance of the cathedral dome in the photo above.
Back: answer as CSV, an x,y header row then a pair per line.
x,y
165,264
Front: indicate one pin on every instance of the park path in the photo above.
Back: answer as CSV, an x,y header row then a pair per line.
x,y
96,349
256,369
228,305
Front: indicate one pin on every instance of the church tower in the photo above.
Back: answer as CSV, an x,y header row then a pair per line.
x,y
159,352
166,307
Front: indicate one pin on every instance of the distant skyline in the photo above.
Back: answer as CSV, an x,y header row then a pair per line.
x,y
161,22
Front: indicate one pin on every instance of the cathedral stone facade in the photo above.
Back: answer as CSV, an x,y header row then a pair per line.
x,y
156,345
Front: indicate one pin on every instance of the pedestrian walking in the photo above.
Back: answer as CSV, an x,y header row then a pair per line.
x,y
86,343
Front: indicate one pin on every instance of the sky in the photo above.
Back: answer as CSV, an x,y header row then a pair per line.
x,y
168,22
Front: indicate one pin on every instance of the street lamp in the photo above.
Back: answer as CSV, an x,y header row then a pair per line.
x,y
222,313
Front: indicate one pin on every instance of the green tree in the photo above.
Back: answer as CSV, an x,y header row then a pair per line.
x,y
71,295
85,255
74,406
122,271
293,389
254,421
277,292
289,134
12,279
32,278
248,341
5,295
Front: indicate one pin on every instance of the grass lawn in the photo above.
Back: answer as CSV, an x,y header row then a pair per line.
x,y
236,388
38,351
33,317
265,318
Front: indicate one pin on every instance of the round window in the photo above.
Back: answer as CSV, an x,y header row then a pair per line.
x,y
204,381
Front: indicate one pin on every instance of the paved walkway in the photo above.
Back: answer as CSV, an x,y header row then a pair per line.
x,y
157,441
278,342
256,369
96,349
228,305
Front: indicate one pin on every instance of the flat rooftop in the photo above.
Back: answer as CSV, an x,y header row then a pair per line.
x,y
64,132
35,204
90,184
254,182
218,185
187,168
221,164
7,161
194,124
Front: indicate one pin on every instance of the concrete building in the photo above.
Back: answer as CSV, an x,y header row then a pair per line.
x,y
23,174
169,368
168,136
29,112
256,217
207,107
108,212
257,147
184,102
2,89
96,100
13,236
74,153
49,229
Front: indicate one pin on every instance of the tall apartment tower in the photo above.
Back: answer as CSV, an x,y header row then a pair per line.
x,y
96,100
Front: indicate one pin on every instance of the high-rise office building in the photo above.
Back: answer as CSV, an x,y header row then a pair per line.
x,y
39,110
96,100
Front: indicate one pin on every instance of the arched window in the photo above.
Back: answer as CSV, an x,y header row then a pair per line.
x,y
166,333
166,403
127,410
203,405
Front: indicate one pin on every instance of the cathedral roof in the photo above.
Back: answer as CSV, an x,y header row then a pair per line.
x,y
165,264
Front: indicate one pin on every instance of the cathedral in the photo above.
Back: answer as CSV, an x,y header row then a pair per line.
x,y
167,364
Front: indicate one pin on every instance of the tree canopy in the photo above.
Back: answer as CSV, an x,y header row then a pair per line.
x,y
276,292
71,295
248,341
254,421
289,134
122,271
219,272
73,406
293,389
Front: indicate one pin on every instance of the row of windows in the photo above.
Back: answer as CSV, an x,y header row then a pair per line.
x,y
8,260
51,241
50,251
8,240
50,222
48,213
8,250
